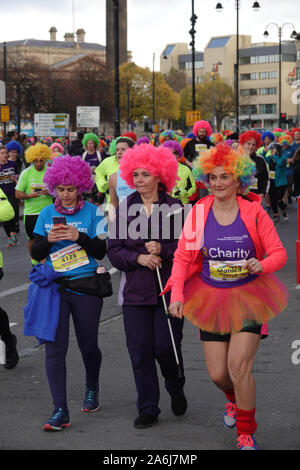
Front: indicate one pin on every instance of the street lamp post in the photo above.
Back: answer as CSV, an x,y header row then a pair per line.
x,y
153,92
192,43
266,34
219,8
117,62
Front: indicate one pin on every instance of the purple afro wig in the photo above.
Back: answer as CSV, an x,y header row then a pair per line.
x,y
174,147
69,171
202,125
159,161
143,140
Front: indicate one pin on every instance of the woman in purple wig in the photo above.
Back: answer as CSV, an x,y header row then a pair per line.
x,y
66,235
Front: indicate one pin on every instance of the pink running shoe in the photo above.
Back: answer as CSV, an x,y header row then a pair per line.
x,y
247,442
230,415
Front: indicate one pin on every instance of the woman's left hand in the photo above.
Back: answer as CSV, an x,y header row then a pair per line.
x,y
68,232
253,266
153,248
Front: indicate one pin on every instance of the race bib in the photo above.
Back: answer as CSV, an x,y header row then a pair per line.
x,y
37,187
272,175
227,270
71,257
200,148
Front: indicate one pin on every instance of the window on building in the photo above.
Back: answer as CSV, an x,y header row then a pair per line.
x,y
268,75
249,76
248,92
268,91
248,109
267,108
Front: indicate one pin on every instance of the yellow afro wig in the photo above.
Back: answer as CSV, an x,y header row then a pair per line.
x,y
37,152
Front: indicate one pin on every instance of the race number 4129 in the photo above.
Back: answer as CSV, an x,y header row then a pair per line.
x,y
296,354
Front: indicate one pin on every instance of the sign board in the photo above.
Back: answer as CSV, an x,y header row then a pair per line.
x,y
88,116
5,114
192,117
2,92
51,125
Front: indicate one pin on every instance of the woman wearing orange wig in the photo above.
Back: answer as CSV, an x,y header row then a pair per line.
x,y
223,283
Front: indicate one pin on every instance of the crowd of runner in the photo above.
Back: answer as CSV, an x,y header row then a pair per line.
x,y
225,286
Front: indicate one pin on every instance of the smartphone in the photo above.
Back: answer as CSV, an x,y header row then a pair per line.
x,y
37,190
59,220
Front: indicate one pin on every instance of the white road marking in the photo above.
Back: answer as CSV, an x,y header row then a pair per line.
x,y
21,288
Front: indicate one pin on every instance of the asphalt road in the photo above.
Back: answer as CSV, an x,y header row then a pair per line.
x,y
25,401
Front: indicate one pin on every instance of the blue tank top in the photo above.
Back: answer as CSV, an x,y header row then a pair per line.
x,y
122,189
225,250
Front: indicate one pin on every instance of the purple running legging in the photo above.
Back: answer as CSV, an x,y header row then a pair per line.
x,y
85,311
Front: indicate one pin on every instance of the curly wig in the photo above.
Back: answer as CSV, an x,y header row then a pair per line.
x,y
295,129
14,145
165,134
246,136
286,140
202,125
36,152
130,135
143,140
174,147
90,136
57,146
236,163
159,161
217,138
69,171
267,134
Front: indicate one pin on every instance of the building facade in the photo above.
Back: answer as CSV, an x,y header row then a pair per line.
x,y
258,70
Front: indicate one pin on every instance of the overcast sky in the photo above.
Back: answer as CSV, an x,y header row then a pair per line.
x,y
151,23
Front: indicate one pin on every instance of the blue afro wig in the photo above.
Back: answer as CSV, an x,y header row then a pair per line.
x,y
267,134
14,145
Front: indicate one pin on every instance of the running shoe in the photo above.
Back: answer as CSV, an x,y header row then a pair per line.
x,y
59,420
13,239
285,216
276,219
247,442
91,400
230,415
12,356
9,242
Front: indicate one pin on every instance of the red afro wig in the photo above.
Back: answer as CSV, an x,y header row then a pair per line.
x,y
202,125
295,129
131,136
246,136
159,161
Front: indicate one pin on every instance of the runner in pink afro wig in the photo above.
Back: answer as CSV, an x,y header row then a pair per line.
x,y
158,161
202,125
68,171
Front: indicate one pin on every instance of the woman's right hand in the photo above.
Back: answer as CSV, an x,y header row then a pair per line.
x,y
176,309
149,261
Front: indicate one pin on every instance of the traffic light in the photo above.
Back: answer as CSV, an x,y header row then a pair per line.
x,y
283,117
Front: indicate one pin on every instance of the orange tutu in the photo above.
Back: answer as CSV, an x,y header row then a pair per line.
x,y
224,310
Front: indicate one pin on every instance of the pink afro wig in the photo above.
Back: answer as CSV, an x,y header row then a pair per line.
x,y
202,125
159,161
57,146
69,171
246,136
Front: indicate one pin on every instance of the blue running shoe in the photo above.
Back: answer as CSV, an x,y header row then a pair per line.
x,y
247,442
230,415
59,420
91,400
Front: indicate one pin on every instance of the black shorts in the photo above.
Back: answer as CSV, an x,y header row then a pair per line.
x,y
207,336
29,223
